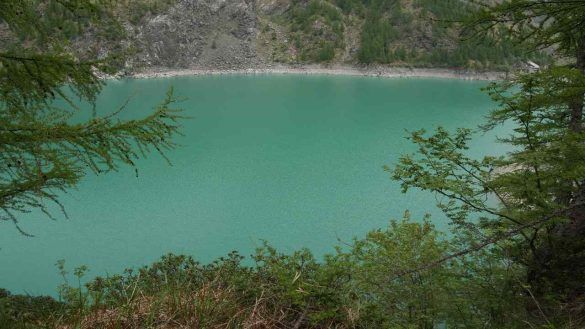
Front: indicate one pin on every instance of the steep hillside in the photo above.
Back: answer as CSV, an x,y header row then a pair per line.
x,y
398,32
222,34
183,33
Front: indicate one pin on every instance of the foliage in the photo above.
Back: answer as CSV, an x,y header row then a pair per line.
x,y
386,301
359,286
419,33
538,23
516,254
530,201
18,311
43,84
388,23
524,196
318,27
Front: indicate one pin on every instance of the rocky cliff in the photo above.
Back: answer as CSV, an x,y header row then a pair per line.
x,y
241,34
197,33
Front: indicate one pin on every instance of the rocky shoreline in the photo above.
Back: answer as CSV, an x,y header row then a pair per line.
x,y
370,71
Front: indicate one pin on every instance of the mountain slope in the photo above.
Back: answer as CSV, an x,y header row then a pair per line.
x,y
222,34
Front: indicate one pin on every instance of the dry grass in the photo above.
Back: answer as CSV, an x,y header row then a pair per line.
x,y
208,307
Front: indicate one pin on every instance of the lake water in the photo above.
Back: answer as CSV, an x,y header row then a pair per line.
x,y
295,160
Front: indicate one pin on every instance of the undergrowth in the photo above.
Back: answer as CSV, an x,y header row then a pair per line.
x,y
361,285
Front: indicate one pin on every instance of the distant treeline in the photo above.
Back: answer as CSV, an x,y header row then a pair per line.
x,y
422,33
419,33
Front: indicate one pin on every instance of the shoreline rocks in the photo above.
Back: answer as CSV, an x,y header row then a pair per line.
x,y
345,70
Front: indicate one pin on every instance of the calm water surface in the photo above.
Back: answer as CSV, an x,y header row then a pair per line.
x,y
295,160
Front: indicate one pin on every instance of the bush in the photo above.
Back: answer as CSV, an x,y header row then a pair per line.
x,y
365,285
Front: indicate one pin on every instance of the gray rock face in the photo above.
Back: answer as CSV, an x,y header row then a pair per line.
x,y
217,34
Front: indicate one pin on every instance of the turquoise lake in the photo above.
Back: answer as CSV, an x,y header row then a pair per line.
x,y
295,160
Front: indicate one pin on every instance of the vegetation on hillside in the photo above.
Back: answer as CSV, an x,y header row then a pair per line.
x,y
135,11
317,30
415,33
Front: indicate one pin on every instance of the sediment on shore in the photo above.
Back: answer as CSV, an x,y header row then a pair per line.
x,y
377,71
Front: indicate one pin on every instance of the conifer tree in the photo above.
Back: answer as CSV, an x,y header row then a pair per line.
x,y
44,81
542,25
530,201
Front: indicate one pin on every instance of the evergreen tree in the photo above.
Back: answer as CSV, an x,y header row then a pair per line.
x,y
541,24
43,83
530,202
